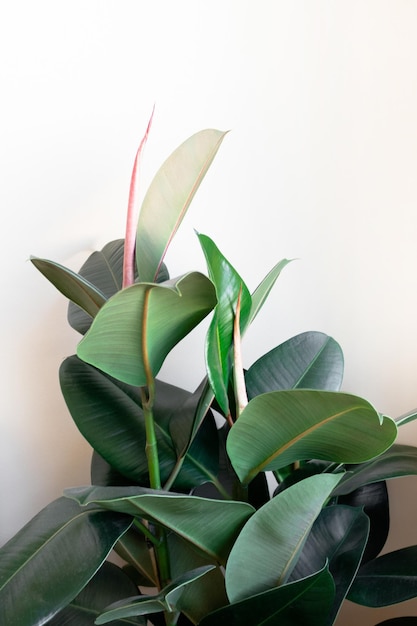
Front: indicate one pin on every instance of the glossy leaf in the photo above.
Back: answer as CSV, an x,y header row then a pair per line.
x,y
54,556
204,594
373,500
110,584
137,328
338,537
281,427
109,415
398,460
387,580
169,196
263,289
103,269
310,360
210,525
305,602
271,540
142,605
71,285
219,342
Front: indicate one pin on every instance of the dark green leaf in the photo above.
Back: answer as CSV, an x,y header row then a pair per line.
x,y
373,499
338,537
305,602
167,598
310,360
71,285
104,270
210,525
109,415
110,584
398,460
46,564
387,580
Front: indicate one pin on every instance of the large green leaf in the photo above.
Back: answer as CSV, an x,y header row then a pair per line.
x,y
229,287
278,428
210,525
136,329
47,563
110,584
169,196
398,460
311,360
165,600
386,580
338,537
109,415
305,602
71,285
263,289
271,540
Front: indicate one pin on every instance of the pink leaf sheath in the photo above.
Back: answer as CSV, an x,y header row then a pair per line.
x,y
132,214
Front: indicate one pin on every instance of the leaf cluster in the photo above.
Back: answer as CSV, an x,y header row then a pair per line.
x,y
260,498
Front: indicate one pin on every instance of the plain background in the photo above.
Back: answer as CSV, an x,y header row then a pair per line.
x,y
320,165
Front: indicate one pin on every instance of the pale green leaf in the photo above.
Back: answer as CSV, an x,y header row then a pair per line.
x,y
169,196
271,541
263,289
282,427
139,325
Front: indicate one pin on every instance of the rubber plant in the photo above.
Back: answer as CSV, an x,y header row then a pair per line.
x,y
260,498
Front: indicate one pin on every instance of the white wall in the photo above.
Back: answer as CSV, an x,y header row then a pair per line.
x,y
321,98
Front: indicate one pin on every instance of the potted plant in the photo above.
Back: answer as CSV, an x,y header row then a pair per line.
x,y
258,499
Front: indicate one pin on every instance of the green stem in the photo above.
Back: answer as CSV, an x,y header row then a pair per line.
x,y
148,394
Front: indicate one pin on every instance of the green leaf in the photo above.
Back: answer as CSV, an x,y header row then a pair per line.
x,y
110,584
142,605
373,500
203,595
271,540
398,460
278,428
310,360
109,415
263,289
104,270
71,285
338,536
219,342
305,602
210,525
387,580
47,563
137,328
169,196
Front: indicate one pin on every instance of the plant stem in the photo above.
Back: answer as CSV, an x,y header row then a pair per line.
x,y
147,394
